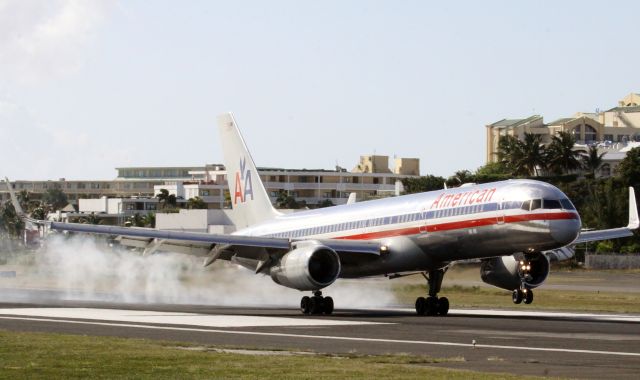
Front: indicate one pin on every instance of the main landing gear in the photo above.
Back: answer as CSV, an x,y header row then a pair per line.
x,y
316,304
523,294
432,305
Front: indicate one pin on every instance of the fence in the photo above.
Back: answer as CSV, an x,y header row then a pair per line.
x,y
612,261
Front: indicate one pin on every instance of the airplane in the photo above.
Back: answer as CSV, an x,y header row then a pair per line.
x,y
514,227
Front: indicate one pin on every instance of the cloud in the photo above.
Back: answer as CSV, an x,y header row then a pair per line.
x,y
43,40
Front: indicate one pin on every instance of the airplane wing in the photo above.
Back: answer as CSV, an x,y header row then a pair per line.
x,y
614,233
216,246
565,253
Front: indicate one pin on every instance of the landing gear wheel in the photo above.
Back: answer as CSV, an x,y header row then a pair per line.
x,y
305,305
328,305
528,296
443,306
315,306
421,305
431,305
516,296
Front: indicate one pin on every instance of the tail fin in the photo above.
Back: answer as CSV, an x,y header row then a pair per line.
x,y
14,200
248,195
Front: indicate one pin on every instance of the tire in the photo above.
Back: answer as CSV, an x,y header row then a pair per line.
x,y
315,305
328,305
516,296
305,305
432,305
443,306
528,297
421,305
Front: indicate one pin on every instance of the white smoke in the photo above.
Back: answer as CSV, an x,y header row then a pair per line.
x,y
79,268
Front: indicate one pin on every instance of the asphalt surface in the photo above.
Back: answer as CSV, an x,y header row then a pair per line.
x,y
544,344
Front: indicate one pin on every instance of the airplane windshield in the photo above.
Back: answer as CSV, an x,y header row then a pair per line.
x,y
549,204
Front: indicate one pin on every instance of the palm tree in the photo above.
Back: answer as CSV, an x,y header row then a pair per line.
x,y
533,156
510,154
561,156
196,203
591,161
150,220
162,196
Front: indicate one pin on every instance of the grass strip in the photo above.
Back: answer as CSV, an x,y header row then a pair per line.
x,y
565,300
38,355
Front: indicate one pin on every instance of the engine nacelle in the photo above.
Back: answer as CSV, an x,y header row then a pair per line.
x,y
308,267
505,272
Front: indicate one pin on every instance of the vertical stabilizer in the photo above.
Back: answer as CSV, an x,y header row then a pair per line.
x,y
249,198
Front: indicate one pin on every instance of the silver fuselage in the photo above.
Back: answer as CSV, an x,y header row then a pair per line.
x,y
429,230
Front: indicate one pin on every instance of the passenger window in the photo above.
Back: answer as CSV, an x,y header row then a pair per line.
x,y
536,204
551,204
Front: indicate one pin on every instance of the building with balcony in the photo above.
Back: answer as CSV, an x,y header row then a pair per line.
x,y
209,182
614,131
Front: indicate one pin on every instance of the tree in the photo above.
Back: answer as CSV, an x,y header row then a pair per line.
x,y
162,197
560,155
510,154
533,156
285,200
150,220
11,222
196,203
591,161
461,177
91,219
39,213
629,168
422,184
55,199
135,220
325,203
522,157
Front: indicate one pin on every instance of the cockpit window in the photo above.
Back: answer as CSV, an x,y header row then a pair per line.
x,y
525,205
551,204
536,204
567,205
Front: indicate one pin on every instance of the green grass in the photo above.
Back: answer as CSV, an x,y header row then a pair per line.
x,y
51,356
569,300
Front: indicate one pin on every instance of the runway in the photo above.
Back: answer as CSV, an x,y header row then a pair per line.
x,y
519,342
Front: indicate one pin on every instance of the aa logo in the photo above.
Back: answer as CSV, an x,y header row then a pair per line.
x,y
244,188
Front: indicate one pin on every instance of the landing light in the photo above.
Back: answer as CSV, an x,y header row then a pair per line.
x,y
384,249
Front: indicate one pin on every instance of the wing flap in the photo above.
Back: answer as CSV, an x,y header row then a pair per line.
x,y
200,237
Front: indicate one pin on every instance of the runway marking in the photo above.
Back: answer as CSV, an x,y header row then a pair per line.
x,y
343,338
537,314
177,318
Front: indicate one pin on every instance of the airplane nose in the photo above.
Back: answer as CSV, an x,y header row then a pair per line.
x,y
565,231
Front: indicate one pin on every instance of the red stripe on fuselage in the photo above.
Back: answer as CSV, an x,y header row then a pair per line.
x,y
462,224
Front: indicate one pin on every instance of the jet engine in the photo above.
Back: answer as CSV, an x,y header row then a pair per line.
x,y
307,267
510,272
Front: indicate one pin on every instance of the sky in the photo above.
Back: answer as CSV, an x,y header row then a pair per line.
x,y
88,86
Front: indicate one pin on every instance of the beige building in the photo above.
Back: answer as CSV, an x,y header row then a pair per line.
x,y
209,182
612,130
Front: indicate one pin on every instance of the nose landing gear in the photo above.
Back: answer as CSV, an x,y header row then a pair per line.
x,y
520,295
316,304
523,294
432,305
